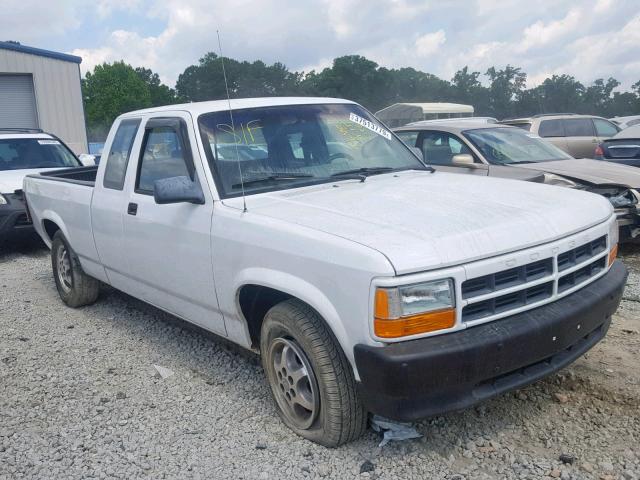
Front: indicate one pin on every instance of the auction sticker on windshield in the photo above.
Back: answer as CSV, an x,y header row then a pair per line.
x,y
48,142
370,125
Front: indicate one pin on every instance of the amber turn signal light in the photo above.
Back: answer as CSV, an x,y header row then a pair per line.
x,y
613,254
415,324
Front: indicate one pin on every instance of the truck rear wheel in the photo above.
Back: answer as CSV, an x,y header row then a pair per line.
x,y
75,287
310,378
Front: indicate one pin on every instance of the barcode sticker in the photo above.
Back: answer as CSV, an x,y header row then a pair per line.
x,y
48,142
370,125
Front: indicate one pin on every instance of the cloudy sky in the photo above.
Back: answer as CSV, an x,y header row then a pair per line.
x,y
585,38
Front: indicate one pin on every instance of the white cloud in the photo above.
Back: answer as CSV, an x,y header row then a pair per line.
x,y
541,34
429,43
584,39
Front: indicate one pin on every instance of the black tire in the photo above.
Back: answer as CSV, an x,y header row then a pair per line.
x,y
296,328
75,287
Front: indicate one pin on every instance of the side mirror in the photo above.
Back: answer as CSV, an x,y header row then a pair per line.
x,y
417,152
177,190
462,160
87,159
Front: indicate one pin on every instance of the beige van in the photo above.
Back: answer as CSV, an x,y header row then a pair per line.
x,y
578,135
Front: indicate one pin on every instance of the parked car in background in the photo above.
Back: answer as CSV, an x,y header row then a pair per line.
x,y
367,281
578,135
487,120
626,122
504,151
623,148
22,152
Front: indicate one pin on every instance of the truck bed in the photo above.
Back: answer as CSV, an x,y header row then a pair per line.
x,y
80,175
62,199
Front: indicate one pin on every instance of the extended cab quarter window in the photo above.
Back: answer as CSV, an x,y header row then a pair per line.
x,y
119,152
163,156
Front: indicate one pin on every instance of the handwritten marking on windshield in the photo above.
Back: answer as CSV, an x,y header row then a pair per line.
x,y
243,133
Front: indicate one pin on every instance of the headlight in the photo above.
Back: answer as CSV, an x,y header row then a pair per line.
x,y
413,309
3,201
553,179
624,199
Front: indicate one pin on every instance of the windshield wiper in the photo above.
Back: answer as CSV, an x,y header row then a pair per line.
x,y
271,178
362,173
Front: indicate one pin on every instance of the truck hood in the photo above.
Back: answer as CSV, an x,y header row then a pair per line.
x,y
422,221
596,172
11,180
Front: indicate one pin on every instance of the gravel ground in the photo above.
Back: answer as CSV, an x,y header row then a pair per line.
x,y
80,398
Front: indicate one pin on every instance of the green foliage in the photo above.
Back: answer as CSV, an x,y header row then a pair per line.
x,y
112,89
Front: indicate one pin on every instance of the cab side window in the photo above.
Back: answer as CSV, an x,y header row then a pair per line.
x,y
118,158
164,155
440,147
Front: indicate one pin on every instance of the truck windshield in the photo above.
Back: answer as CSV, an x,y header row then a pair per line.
x,y
506,146
294,145
26,153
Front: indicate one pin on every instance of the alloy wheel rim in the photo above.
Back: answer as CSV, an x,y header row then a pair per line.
x,y
295,386
64,269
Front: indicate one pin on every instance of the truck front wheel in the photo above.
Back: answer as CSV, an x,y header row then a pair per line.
x,y
310,378
75,287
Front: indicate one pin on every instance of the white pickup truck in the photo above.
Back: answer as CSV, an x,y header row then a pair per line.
x,y
305,230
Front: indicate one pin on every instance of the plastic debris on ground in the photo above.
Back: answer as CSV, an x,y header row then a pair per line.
x,y
392,430
163,372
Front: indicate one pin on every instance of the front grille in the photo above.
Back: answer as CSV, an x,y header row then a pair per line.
x,y
510,301
507,278
532,273
582,253
581,275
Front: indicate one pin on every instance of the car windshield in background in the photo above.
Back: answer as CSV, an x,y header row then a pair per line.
x,y
291,146
26,153
506,146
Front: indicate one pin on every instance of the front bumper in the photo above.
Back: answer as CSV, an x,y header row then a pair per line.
x,y
13,217
420,378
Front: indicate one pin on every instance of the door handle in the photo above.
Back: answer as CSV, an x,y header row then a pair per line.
x,y
132,208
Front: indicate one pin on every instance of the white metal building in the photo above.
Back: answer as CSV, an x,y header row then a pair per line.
x,y
41,89
400,114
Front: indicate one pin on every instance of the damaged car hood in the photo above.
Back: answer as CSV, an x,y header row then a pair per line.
x,y
422,221
596,172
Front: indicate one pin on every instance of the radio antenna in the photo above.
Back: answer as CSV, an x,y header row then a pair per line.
x,y
233,127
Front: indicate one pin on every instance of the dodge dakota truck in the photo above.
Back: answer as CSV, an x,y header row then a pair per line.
x,y
305,230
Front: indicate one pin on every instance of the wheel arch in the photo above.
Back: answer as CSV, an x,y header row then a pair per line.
x,y
52,223
259,289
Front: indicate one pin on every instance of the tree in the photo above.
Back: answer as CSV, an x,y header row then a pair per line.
x,y
110,90
597,97
561,94
205,81
505,86
160,94
467,89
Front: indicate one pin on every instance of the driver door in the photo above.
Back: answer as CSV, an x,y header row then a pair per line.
x,y
168,247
